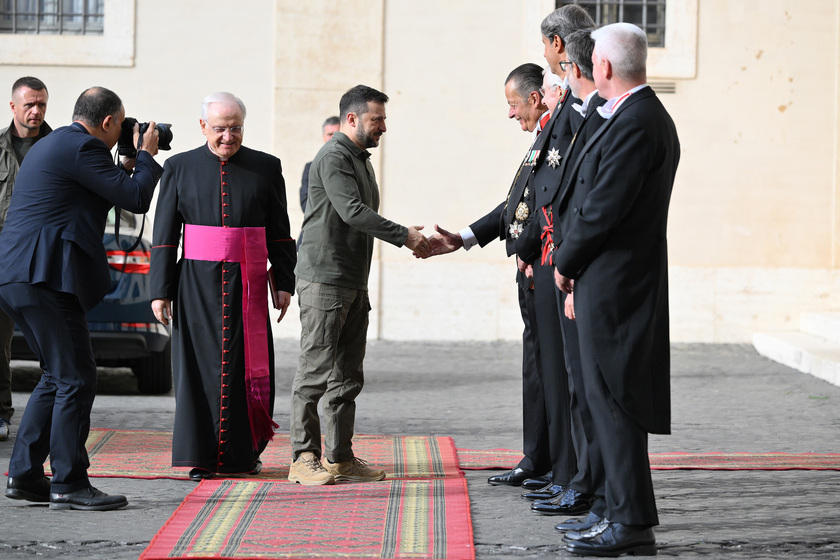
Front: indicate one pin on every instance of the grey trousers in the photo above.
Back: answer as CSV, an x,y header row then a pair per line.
x,y
334,323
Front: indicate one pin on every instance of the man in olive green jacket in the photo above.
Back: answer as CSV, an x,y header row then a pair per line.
x,y
332,271
29,105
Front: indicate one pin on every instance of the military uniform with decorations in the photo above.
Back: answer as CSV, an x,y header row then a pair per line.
x,y
544,181
506,222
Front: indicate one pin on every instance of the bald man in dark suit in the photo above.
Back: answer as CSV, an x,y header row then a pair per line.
x,y
55,270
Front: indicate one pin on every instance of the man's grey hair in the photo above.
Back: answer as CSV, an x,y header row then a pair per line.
x,y
625,46
579,47
220,97
526,78
564,21
553,79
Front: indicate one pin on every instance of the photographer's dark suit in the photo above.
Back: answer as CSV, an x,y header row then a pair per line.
x,y
55,270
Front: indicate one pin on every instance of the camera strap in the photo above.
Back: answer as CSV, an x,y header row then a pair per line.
x,y
117,220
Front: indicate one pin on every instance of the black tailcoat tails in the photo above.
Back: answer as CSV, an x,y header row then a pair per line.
x,y
212,429
615,247
589,478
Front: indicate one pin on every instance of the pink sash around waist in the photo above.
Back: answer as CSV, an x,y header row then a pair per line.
x,y
246,246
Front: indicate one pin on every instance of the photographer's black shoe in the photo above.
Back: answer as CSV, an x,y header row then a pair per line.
x,y
35,490
89,499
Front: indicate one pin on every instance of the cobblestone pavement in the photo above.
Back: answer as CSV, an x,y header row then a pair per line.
x,y
725,398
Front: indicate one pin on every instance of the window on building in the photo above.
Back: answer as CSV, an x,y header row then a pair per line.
x,y
647,14
52,17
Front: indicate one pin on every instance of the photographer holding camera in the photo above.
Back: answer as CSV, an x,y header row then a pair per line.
x,y
55,270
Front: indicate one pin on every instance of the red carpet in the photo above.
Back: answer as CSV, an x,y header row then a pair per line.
x,y
137,454
502,459
746,461
114,453
417,519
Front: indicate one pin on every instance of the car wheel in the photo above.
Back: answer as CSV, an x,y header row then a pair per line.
x,y
154,374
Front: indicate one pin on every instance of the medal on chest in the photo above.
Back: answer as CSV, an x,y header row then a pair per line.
x,y
553,158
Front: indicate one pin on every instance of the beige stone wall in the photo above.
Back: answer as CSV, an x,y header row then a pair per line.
x,y
752,222
753,235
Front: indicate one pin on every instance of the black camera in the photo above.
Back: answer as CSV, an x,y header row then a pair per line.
x,y
125,145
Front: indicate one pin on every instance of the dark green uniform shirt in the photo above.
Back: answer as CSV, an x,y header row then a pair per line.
x,y
341,217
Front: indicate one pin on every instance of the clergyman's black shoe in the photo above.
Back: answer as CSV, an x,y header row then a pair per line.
x,y
513,477
538,482
547,492
616,539
197,474
35,490
89,499
570,502
578,524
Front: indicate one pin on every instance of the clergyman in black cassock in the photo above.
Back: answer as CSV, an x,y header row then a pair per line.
x,y
218,187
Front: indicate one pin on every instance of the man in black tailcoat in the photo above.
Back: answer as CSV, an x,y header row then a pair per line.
x,y
587,483
613,254
544,183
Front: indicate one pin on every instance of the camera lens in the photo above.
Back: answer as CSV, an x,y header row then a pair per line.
x,y
164,135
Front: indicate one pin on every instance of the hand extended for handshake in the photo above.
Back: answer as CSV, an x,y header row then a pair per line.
x,y
417,242
441,243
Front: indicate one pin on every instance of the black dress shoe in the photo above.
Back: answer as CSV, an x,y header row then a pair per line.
x,y
537,483
89,499
197,475
616,539
579,525
35,490
596,529
513,477
547,492
570,502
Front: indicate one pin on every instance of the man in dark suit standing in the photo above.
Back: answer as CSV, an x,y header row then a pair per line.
x,y
544,182
614,255
587,482
506,222
54,271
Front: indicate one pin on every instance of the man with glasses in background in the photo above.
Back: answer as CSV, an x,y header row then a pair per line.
x,y
230,202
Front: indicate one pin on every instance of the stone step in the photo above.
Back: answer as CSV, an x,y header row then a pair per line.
x,y
824,325
801,351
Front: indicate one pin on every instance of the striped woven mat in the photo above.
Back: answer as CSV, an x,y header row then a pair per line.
x,y
139,454
417,519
